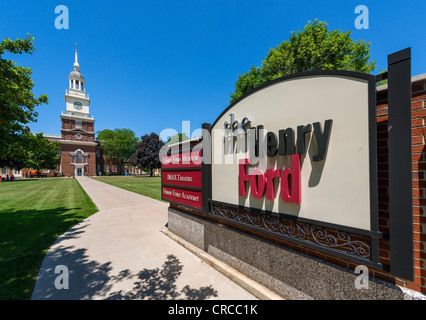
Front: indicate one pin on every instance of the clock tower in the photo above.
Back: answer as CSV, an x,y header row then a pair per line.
x,y
78,146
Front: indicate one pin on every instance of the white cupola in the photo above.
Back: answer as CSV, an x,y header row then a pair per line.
x,y
77,101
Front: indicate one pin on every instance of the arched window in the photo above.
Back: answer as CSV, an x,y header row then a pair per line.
x,y
79,157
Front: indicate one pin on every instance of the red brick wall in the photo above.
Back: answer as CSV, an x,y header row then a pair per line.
x,y
68,124
67,168
71,136
418,107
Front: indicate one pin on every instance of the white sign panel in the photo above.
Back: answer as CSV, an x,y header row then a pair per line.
x,y
299,147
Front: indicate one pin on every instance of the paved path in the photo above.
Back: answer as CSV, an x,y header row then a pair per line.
x,y
120,253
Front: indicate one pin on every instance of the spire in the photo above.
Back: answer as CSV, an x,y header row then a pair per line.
x,y
76,65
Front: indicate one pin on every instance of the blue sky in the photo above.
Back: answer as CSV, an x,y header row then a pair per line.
x,y
149,65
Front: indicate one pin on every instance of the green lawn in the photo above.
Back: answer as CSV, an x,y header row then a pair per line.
x,y
33,214
147,186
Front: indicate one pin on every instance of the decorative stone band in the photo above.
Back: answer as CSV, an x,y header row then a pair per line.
x,y
333,240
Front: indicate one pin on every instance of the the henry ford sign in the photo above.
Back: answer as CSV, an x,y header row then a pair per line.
x,y
303,146
296,159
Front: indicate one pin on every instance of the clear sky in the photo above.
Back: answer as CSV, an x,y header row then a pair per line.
x,y
149,65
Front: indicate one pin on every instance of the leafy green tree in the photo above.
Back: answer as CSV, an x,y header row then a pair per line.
x,y
312,48
118,145
382,82
42,153
17,102
179,137
16,151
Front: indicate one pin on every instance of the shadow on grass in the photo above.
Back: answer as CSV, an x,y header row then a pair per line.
x,y
25,237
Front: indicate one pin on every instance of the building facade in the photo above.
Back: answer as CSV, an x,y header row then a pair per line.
x,y
78,145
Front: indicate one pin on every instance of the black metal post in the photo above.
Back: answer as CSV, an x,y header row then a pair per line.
x,y
400,165
206,169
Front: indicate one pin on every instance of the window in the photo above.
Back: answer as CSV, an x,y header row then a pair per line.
x,y
76,84
78,124
82,88
79,157
72,84
46,171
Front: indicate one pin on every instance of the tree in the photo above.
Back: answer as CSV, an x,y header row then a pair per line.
x,y
148,152
178,137
382,82
118,145
17,102
17,151
42,153
312,48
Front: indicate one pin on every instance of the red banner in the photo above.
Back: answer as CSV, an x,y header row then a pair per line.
x,y
182,160
186,197
182,178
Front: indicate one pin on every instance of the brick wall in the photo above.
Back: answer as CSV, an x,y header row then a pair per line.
x,y
70,124
67,168
418,107
84,136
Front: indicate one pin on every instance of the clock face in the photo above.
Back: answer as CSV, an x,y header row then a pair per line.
x,y
77,105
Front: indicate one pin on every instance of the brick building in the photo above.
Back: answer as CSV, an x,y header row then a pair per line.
x,y
79,154
78,145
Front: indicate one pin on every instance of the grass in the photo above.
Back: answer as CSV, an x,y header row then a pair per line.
x,y
146,186
33,214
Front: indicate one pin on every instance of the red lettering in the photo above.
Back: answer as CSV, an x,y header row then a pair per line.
x,y
294,172
257,183
243,177
270,175
290,183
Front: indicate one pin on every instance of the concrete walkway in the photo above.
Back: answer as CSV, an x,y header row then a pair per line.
x,y
120,253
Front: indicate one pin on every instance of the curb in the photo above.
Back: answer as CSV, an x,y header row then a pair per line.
x,y
255,288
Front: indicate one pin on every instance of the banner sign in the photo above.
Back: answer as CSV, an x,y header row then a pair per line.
x,y
182,196
181,178
182,160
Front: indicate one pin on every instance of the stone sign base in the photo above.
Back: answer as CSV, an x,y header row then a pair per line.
x,y
291,274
